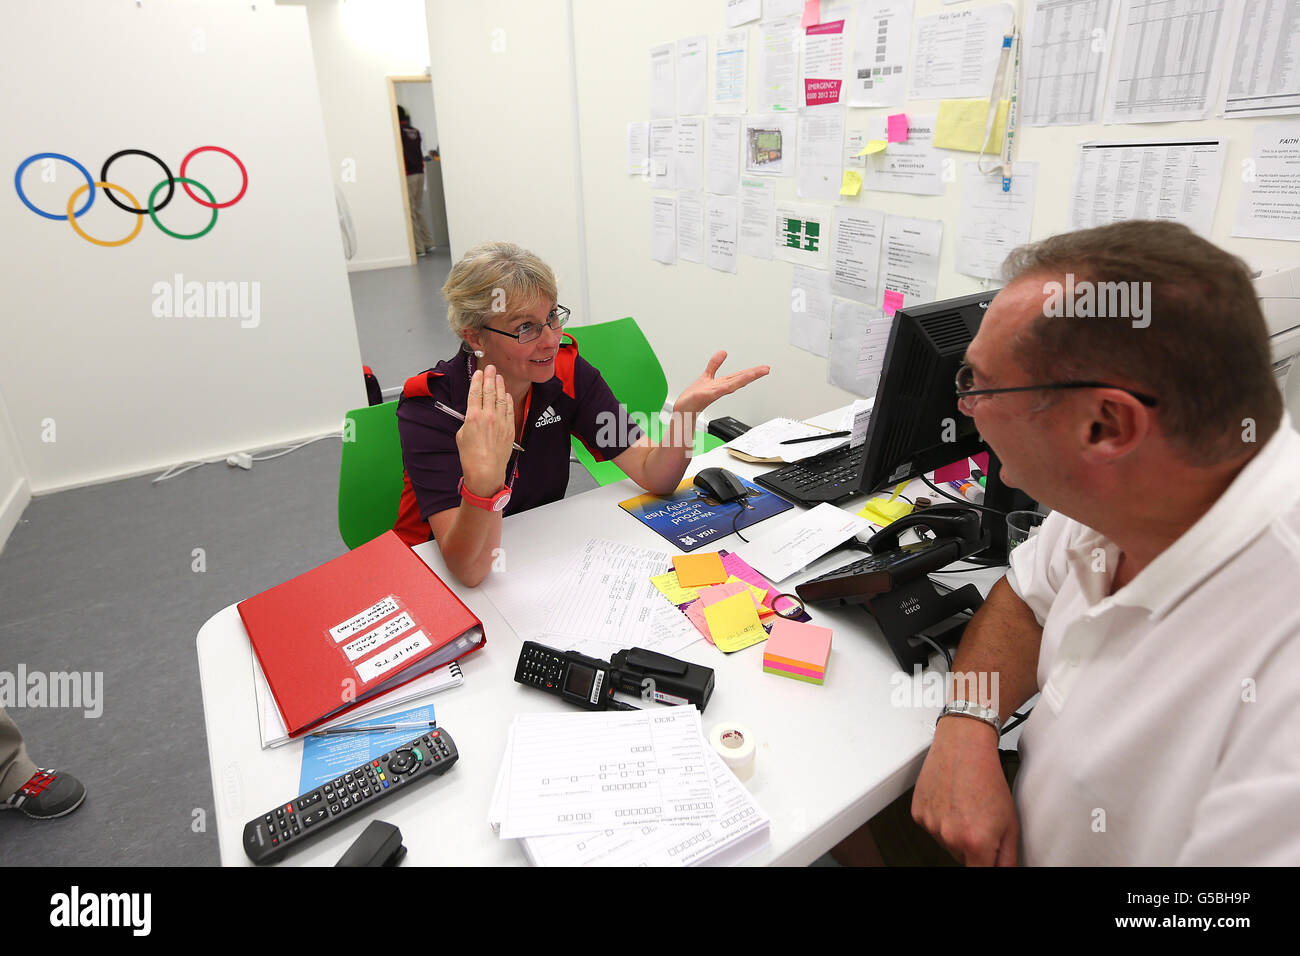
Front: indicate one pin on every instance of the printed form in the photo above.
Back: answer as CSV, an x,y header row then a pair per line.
x,y
1155,179
1067,50
1265,76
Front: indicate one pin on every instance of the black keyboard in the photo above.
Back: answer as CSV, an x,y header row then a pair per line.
x,y
831,476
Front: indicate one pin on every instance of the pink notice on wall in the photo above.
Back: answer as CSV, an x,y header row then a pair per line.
x,y
893,301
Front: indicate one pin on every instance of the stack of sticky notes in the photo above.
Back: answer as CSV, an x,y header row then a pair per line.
x,y
797,650
699,570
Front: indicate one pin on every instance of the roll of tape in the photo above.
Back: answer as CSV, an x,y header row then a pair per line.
x,y
735,745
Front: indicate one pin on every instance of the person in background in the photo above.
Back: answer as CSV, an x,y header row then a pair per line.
x,y
413,156
517,380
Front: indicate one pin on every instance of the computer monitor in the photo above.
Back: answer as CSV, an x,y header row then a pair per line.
x,y
915,426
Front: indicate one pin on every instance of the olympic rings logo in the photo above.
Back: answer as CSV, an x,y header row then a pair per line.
x,y
151,210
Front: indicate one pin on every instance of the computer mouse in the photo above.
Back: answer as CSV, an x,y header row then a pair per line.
x,y
720,485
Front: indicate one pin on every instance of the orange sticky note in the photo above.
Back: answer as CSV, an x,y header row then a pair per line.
x,y
699,570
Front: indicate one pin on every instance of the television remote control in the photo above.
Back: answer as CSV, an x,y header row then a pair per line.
x,y
268,838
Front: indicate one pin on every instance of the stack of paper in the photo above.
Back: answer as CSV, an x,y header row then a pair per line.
x,y
637,788
799,651
763,442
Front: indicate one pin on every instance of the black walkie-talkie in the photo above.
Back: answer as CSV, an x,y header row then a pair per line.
x,y
573,677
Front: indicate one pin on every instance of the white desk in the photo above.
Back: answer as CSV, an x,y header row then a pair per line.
x,y
829,758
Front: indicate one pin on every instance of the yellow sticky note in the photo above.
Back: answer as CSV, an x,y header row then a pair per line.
x,y
694,570
672,589
874,146
961,125
852,184
733,622
883,511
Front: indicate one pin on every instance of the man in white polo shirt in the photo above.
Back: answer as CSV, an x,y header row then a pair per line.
x,y
1157,609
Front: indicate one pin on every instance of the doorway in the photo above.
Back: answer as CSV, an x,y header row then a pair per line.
x,y
415,94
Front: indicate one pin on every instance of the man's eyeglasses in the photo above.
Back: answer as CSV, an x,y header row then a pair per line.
x,y
532,331
966,387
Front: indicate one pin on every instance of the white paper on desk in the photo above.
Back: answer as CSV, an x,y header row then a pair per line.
x,y
1269,207
991,222
663,91
730,72
823,59
1264,79
955,54
910,262
743,11
855,252
802,234
690,227
638,149
724,154
1167,179
800,541
856,418
914,166
741,829
883,33
693,76
764,441
663,153
757,218
663,229
572,773
1169,61
688,154
768,144
810,310
1064,72
720,218
821,145
859,334
778,89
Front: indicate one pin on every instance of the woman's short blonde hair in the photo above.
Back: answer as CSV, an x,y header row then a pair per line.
x,y
491,279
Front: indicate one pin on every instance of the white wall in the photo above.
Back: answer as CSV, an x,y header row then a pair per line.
x,y
687,309
357,45
129,390
14,491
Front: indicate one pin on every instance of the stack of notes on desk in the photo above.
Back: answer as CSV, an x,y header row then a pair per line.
x,y
639,788
798,650
762,443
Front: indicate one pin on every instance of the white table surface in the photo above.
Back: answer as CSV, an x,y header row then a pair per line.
x,y
828,758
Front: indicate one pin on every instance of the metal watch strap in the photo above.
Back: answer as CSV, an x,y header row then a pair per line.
x,y
964,708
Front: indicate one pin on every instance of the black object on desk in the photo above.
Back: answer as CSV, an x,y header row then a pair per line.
x,y
833,476
659,677
720,485
727,428
380,844
575,678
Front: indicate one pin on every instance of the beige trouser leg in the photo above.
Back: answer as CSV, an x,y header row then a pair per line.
x,y
415,189
16,768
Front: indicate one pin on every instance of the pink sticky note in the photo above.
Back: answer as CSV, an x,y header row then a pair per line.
x,y
812,13
734,565
982,460
800,642
893,302
695,614
898,128
954,472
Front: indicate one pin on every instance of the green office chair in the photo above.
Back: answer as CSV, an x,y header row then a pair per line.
x,y
370,473
628,364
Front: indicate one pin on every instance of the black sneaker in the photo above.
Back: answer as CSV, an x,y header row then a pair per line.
x,y
49,794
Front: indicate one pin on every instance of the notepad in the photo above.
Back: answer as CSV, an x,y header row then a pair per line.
x,y
799,651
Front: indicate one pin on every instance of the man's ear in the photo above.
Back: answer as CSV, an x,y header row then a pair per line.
x,y
1119,426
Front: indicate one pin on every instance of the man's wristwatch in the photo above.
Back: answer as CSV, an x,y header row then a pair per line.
x,y
964,708
497,502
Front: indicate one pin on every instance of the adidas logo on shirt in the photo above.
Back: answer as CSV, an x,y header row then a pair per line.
x,y
547,417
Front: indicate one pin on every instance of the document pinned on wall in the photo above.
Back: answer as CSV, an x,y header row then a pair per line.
x,y
663,89
823,59
780,9
757,217
1170,179
690,227
688,154
1169,61
743,11
855,252
721,215
1270,202
956,53
778,90
991,222
663,153
638,149
821,145
810,310
855,141
879,75
724,154
730,72
859,334
1066,53
693,76
910,261
913,166
802,234
663,229
769,145
1264,79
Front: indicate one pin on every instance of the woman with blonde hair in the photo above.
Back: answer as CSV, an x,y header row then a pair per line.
x,y
519,383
